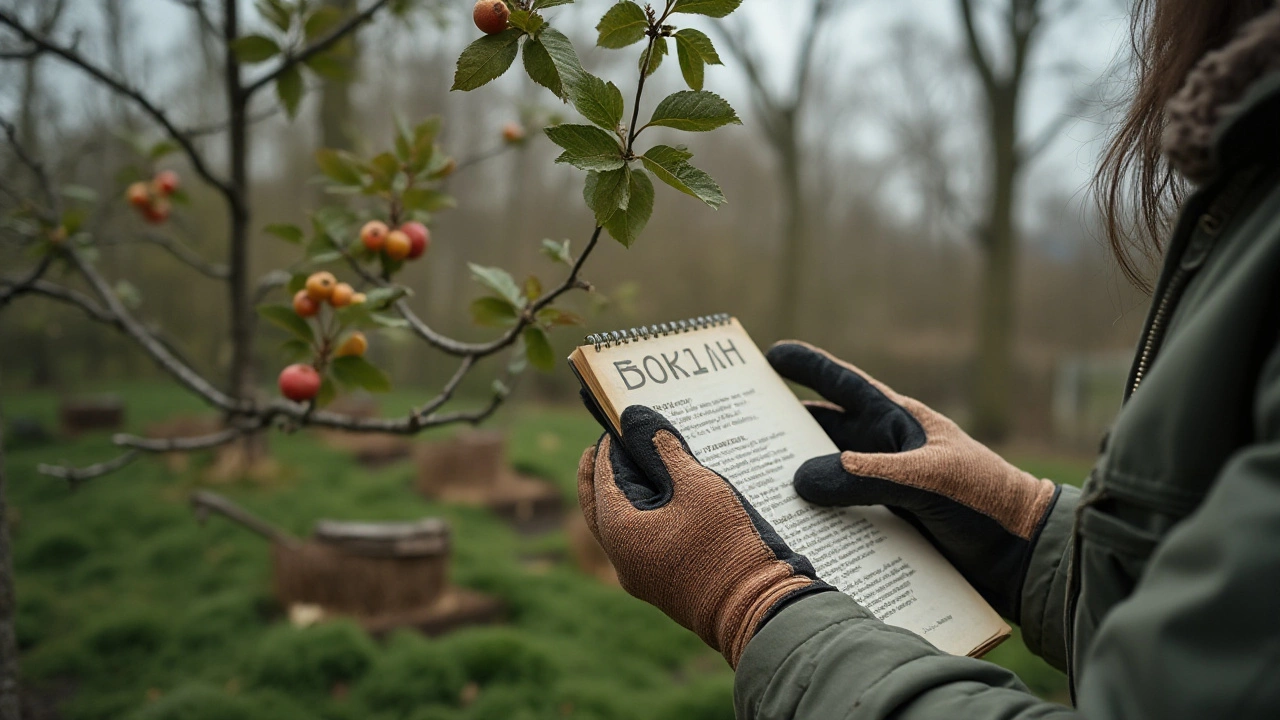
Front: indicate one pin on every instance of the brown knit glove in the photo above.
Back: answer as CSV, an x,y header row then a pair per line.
x,y
982,513
682,539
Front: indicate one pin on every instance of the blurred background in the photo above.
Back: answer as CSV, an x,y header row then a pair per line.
x,y
905,193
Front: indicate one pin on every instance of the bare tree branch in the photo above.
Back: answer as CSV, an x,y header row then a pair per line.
x,y
121,87
74,476
184,254
332,38
976,54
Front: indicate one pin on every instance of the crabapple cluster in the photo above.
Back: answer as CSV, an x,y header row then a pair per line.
x,y
407,242
152,198
301,382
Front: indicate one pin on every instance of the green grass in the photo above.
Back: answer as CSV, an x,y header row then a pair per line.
x,y
128,608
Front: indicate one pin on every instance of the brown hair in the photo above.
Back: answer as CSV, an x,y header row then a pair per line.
x,y
1136,189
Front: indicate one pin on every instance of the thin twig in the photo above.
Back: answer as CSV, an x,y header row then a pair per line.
x,y
74,476
315,48
185,254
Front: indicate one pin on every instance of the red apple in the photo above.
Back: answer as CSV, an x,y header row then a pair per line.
x,y
374,234
491,16
299,383
419,238
165,182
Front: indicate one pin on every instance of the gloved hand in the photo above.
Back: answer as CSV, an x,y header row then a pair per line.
x,y
982,513
682,539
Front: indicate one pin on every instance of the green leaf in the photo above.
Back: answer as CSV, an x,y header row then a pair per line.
x,y
695,51
296,350
586,147
542,4
599,102
565,58
538,349
556,317
384,297
694,111
557,251
710,8
607,192
324,19
329,65
655,56
493,311
327,392
289,89
626,225
486,59
499,281
625,24
297,281
385,167
340,166
162,148
251,49
357,372
427,200
530,22
288,233
672,167
541,68
284,317
532,288
276,12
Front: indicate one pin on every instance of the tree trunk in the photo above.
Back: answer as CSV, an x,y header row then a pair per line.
x,y
241,376
794,235
9,701
336,114
994,368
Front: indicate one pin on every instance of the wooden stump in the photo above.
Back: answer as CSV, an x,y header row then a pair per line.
x,y
471,469
365,569
98,412
369,450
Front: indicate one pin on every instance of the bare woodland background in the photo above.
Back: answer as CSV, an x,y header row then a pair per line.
x,y
861,190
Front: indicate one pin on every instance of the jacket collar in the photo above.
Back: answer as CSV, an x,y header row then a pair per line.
x,y
1227,110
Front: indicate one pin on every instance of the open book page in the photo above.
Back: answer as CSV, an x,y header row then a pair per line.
x,y
742,420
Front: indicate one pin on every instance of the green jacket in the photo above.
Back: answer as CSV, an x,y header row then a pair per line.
x,y
1157,587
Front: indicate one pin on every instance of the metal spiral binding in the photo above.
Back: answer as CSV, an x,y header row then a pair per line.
x,y
623,337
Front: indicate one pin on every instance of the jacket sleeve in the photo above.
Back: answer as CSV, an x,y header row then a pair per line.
x,y
1042,616
1198,638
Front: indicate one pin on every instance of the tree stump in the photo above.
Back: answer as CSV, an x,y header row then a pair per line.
x,y
86,414
472,469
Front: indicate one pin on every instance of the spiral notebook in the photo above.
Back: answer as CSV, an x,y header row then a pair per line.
x,y
742,420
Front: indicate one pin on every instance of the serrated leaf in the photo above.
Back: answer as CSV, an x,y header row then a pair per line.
x,y
537,348
340,166
289,89
541,68
599,102
607,192
427,200
284,317
499,281
542,4
557,251
654,56
627,224
695,51
586,147
250,49
530,22
694,111
565,58
288,233
624,24
486,59
490,311
354,371
710,8
672,167
320,22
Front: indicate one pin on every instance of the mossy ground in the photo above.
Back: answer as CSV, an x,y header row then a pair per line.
x,y
129,608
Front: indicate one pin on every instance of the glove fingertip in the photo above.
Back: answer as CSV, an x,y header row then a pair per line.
x,y
824,481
